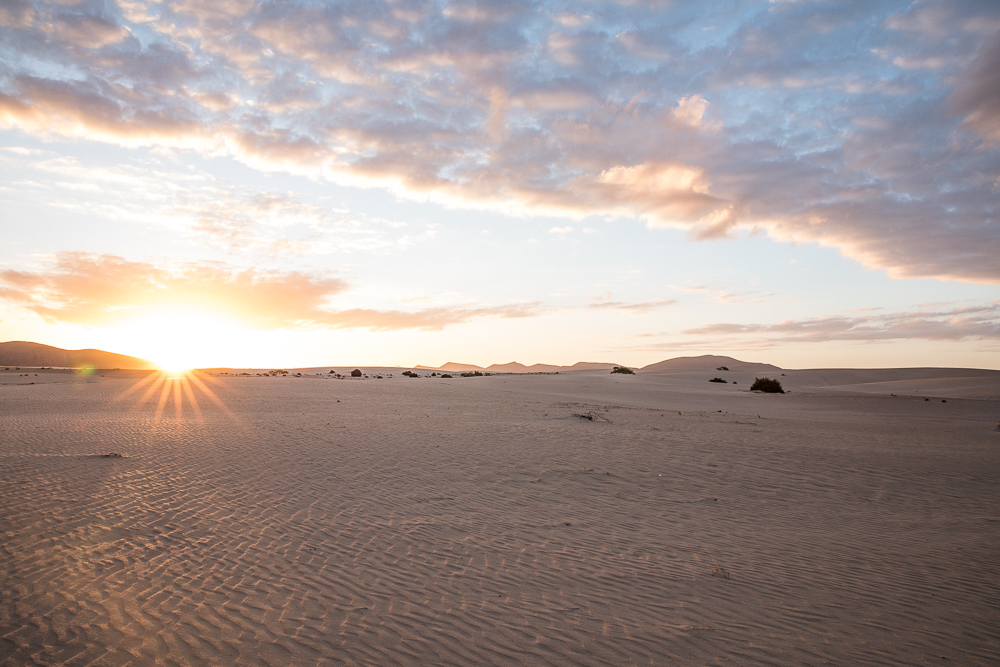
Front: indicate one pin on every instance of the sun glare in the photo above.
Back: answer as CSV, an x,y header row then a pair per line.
x,y
182,388
178,340
174,369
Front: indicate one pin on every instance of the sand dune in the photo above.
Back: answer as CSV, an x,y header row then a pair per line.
x,y
708,362
939,382
922,382
479,521
515,367
23,353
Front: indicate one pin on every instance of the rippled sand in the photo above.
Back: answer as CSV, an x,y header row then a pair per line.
x,y
477,521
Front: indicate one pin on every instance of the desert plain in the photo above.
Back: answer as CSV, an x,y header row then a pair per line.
x,y
284,520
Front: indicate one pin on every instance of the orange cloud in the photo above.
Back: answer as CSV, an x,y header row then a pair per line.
x,y
104,290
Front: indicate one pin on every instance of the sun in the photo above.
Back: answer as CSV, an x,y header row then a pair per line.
x,y
180,339
174,367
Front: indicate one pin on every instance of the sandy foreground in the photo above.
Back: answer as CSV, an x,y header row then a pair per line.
x,y
478,521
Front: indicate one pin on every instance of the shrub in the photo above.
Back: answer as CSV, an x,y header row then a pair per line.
x,y
767,385
410,374
445,375
355,373
473,374
722,368
624,370
718,380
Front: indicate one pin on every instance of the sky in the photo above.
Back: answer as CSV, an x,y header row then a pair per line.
x,y
289,184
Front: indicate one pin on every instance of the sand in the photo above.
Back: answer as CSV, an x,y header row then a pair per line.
x,y
477,521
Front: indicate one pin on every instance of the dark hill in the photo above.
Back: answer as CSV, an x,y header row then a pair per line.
x,y
23,353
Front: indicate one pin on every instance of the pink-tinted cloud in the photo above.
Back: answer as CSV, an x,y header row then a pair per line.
x,y
635,308
801,122
75,109
979,322
977,96
103,290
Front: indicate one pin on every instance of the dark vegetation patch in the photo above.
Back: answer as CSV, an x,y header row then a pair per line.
x,y
767,385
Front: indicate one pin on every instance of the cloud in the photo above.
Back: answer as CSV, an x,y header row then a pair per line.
x,y
634,308
808,121
103,290
742,297
977,96
90,32
99,112
722,293
974,322
228,216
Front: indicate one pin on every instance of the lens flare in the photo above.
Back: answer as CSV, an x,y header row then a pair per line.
x,y
182,386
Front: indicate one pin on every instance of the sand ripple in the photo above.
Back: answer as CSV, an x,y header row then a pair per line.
x,y
478,523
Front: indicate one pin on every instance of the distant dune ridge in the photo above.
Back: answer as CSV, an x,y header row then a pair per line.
x,y
515,367
24,353
709,362
705,362
944,382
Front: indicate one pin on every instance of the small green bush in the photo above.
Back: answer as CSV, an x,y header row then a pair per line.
x,y
624,370
718,380
446,376
722,368
767,385
473,374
